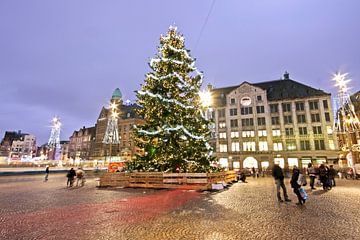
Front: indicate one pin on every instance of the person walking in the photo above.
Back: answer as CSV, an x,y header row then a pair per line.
x,y
47,171
80,177
278,175
253,172
312,174
323,174
296,186
332,175
70,177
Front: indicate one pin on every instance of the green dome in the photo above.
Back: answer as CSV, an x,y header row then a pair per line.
x,y
116,94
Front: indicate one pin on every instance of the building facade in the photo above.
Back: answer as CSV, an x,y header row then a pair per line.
x,y
80,143
23,148
126,149
281,121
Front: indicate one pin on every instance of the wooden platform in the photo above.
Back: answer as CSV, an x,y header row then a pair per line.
x,y
196,181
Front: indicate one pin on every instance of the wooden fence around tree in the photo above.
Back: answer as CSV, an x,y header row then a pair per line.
x,y
197,181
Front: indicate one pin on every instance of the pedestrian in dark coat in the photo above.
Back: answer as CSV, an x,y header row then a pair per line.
x,y
70,177
279,181
296,186
324,176
47,171
332,175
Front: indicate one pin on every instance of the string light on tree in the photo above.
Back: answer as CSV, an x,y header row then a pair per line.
x,y
175,133
112,133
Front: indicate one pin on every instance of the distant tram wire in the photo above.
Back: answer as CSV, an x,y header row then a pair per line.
x,y
204,25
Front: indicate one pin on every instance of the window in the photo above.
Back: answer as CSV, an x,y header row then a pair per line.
x,y
329,130
223,147
248,134
222,125
277,146
235,147
314,105
275,121
233,112
276,132
259,98
300,106
262,133
288,119
221,113
317,130
246,110
260,109
305,145
263,146
249,146
289,131
261,121
301,118
331,144
303,130
315,117
286,107
319,144
247,122
327,117
234,134
233,123
232,101
274,108
325,104
222,135
290,145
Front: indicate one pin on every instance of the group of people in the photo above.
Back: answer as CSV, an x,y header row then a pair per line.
x,y
326,175
79,175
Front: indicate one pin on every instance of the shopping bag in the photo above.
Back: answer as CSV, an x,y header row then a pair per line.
x,y
303,193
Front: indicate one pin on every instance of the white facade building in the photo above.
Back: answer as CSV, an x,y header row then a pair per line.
x,y
23,148
281,121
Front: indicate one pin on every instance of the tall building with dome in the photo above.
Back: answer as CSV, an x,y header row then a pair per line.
x,y
127,117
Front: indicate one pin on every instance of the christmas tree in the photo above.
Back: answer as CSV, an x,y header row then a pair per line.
x,y
174,136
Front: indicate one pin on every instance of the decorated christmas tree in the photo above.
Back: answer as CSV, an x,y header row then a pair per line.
x,y
174,135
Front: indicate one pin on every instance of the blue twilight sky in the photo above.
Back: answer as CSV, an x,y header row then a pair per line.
x,y
66,57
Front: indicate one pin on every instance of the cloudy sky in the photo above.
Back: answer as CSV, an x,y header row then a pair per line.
x,y
66,57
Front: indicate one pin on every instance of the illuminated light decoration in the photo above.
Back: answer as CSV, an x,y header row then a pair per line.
x,y
175,122
344,110
164,99
346,121
205,98
54,140
112,133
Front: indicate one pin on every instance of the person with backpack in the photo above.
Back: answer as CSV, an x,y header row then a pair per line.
x,y
297,178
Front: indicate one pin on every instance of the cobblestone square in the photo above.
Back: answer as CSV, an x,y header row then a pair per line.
x,y
33,209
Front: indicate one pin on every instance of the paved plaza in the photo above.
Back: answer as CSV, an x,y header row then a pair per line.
x,y
33,209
